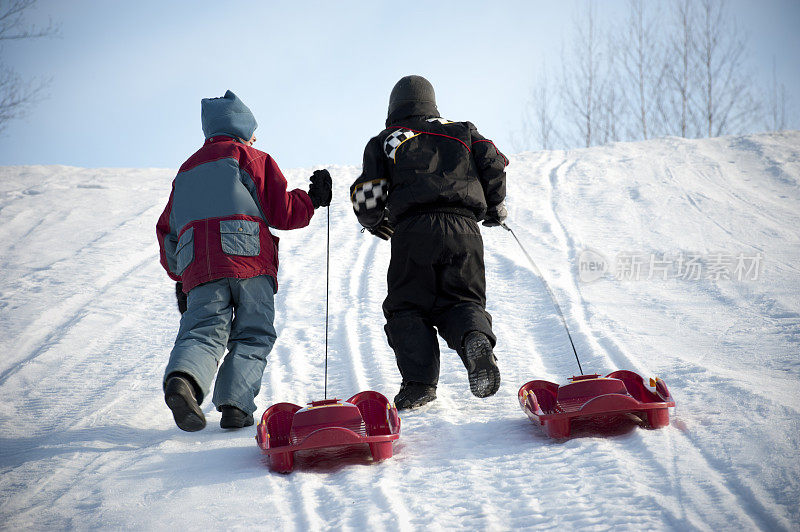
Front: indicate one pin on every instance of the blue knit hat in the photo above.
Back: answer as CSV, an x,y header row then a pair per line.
x,y
227,116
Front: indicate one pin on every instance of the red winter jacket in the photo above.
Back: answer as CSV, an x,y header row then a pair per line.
x,y
223,202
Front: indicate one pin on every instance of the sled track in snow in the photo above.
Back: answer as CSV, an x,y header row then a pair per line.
x,y
354,365
606,346
85,419
76,311
726,485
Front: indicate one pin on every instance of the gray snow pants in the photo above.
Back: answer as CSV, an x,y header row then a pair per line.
x,y
233,313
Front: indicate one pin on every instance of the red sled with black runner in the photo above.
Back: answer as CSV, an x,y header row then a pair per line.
x,y
588,396
620,392
366,418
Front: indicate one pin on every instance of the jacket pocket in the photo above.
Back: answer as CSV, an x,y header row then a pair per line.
x,y
184,252
240,237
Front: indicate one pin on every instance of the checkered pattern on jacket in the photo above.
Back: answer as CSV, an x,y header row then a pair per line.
x,y
399,136
395,139
370,195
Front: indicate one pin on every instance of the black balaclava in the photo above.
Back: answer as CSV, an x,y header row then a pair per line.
x,y
411,96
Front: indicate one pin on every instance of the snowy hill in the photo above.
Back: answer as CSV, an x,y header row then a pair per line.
x,y
701,245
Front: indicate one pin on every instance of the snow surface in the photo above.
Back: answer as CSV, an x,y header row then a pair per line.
x,y
88,318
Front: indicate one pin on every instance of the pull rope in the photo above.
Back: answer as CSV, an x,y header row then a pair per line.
x,y
327,294
552,295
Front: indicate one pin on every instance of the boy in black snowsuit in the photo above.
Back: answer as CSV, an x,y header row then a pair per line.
x,y
425,183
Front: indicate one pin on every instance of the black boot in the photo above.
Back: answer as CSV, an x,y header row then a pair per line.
x,y
180,398
413,395
233,418
481,364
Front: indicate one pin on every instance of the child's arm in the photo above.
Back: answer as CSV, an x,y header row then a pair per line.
x,y
283,209
370,191
491,165
167,240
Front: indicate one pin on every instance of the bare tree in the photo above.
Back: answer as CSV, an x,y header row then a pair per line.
x,y
580,78
675,106
642,61
777,101
544,115
611,105
538,123
16,94
538,127
726,101
522,139
685,76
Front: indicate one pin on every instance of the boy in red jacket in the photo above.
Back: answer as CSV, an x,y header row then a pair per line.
x,y
214,238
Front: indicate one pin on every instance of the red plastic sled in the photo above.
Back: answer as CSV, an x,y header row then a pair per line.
x,y
366,418
553,406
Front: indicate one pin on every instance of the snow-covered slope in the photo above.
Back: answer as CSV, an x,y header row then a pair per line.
x,y
88,319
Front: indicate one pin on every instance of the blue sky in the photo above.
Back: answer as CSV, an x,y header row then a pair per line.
x,y
127,77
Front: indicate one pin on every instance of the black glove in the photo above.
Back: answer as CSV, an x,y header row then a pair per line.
x,y
383,230
495,216
320,189
181,297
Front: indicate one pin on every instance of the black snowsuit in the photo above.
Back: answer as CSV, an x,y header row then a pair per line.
x,y
432,180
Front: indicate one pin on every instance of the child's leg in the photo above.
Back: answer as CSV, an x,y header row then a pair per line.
x,y
203,334
460,313
416,349
461,287
251,340
411,294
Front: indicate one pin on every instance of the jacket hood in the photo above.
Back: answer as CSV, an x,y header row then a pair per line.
x,y
227,116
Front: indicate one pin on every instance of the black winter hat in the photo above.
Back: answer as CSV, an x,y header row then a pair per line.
x,y
411,89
